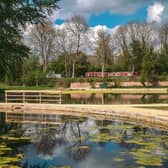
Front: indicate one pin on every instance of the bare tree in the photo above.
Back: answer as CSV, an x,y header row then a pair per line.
x,y
103,49
131,35
163,37
122,41
64,45
78,28
42,38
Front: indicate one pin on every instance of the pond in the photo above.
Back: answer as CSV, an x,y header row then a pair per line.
x,y
114,98
92,98
55,141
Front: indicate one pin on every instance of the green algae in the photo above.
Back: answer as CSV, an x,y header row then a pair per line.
x,y
120,127
5,149
20,155
118,159
102,137
145,157
9,166
146,144
84,147
1,153
2,145
112,127
7,160
149,160
151,144
61,166
15,140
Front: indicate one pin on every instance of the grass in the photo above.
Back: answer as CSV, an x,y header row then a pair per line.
x,y
90,91
14,87
120,91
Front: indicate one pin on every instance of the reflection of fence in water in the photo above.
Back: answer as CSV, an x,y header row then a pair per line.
x,y
18,96
42,117
16,117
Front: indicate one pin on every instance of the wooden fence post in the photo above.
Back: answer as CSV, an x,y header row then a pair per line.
x,y
23,97
6,97
40,97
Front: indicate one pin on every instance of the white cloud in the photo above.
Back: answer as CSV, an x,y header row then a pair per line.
x,y
156,8
88,7
155,12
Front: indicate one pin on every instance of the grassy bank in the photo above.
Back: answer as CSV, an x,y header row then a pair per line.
x,y
132,90
120,91
101,91
16,87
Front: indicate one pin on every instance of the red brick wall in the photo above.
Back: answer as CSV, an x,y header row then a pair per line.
x,y
78,85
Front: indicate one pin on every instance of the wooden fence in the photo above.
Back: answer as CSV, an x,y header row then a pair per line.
x,y
31,96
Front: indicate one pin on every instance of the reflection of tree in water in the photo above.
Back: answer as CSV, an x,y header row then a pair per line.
x,y
7,128
4,127
67,136
152,98
71,132
48,142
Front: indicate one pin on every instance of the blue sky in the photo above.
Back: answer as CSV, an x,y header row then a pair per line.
x,y
112,20
113,12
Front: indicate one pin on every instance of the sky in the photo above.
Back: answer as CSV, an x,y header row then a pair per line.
x,y
112,13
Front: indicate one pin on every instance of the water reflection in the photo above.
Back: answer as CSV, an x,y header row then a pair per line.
x,y
60,140
114,98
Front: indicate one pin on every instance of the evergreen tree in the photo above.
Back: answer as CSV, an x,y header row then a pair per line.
x,y
15,14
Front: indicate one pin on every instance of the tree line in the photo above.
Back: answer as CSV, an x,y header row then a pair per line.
x,y
69,50
74,48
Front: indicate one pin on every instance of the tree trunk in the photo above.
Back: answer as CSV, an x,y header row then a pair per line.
x,y
102,74
66,70
73,69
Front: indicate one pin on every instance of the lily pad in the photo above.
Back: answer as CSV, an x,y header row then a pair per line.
x,y
118,159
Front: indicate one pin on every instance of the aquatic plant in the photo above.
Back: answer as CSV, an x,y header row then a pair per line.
x,y
147,159
84,147
60,167
118,159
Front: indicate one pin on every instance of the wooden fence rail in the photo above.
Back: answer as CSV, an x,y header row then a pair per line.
x,y
30,96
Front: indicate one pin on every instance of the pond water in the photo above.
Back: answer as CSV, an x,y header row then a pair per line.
x,y
55,141
114,98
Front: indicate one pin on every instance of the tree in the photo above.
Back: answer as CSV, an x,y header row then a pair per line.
x,y
162,63
124,58
78,27
82,64
32,71
140,42
65,45
138,51
133,40
15,15
58,65
42,38
103,50
148,69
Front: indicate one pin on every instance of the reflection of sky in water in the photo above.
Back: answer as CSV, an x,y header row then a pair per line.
x,y
99,157
60,144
